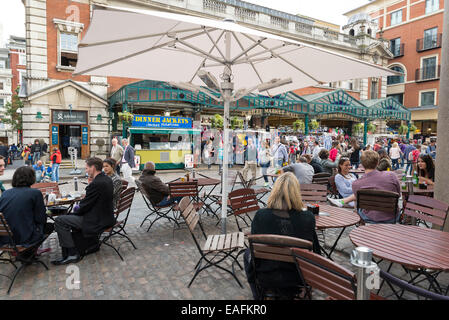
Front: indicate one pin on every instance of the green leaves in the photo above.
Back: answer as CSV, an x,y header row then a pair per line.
x,y
298,125
126,117
13,112
217,121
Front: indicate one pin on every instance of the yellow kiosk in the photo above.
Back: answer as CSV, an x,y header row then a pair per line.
x,y
164,140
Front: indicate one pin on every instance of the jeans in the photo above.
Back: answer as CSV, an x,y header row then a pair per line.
x,y
36,157
278,163
166,202
39,176
395,163
55,172
265,167
367,219
409,167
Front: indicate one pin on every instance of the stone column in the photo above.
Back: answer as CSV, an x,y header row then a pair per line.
x,y
442,160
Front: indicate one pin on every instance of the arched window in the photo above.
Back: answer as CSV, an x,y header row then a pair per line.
x,y
396,79
369,31
351,32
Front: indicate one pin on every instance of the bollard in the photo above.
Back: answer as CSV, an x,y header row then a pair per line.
x,y
367,272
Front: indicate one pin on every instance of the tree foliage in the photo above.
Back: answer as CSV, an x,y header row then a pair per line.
x,y
298,125
217,121
13,110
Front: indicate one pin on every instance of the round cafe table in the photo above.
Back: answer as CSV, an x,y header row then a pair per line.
x,y
417,249
335,217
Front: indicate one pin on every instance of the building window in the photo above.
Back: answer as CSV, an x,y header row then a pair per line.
x,y
279,22
2,103
395,47
304,28
430,38
375,21
351,32
374,89
21,76
395,79
399,97
68,49
432,5
2,64
429,68
245,14
2,86
22,59
396,17
428,98
213,5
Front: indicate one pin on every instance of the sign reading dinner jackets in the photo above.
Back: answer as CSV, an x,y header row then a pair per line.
x,y
161,122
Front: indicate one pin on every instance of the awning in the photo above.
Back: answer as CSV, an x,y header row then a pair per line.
x,y
164,131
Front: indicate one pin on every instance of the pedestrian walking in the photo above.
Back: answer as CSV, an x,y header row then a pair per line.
x,y
55,160
116,154
127,161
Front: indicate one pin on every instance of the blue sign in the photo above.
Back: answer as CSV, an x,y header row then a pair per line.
x,y
161,122
54,135
85,136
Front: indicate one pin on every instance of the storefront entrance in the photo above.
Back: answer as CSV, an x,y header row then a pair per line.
x,y
69,136
70,129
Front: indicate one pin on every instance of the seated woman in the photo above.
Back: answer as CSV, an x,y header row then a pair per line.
x,y
344,179
24,210
326,163
384,161
285,215
426,169
109,169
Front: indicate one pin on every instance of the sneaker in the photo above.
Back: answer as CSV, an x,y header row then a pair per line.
x,y
266,185
336,202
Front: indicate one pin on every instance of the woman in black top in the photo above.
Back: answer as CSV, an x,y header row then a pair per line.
x,y
426,169
284,215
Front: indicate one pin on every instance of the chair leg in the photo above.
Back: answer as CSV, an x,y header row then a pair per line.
x,y
14,278
109,245
124,236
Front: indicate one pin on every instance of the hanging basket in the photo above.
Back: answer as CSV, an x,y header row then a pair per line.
x,y
126,117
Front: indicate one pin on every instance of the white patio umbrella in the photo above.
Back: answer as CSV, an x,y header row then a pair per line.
x,y
187,51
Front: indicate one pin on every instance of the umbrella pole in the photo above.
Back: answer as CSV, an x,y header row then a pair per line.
x,y
224,203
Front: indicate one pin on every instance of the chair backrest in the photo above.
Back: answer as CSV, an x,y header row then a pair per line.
x,y
404,286
125,201
275,247
321,178
333,186
378,200
144,193
427,209
243,201
5,231
124,184
47,188
325,275
183,189
189,213
313,193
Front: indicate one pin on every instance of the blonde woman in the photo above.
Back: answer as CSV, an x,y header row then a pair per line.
x,y
395,155
285,215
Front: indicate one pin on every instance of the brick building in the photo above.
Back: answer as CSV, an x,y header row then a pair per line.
x,y
414,31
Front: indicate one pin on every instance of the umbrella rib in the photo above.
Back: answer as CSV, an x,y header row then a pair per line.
x,y
204,60
283,59
210,56
214,43
245,51
133,38
136,54
256,54
252,65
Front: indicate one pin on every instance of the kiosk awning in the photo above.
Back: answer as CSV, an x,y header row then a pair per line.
x,y
164,130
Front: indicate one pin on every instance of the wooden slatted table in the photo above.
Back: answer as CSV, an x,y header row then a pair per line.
x,y
338,218
415,248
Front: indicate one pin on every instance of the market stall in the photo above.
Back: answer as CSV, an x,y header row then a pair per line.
x,y
164,140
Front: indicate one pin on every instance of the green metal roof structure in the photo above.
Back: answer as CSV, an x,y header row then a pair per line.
x,y
337,102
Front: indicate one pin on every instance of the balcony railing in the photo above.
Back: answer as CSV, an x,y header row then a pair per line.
x,y
427,74
398,50
428,43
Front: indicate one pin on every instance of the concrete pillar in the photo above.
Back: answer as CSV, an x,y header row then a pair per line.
x,y
306,124
442,159
365,131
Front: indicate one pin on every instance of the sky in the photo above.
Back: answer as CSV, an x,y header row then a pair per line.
x,y
12,12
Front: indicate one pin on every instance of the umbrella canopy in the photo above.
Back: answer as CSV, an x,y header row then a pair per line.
x,y
178,48
172,47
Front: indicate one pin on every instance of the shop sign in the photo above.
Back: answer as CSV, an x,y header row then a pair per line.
x,y
188,161
161,122
54,135
64,116
85,136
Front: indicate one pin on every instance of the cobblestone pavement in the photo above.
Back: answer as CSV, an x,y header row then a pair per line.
x,y
160,268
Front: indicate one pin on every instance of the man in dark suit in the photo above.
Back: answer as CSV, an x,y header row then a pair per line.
x,y
94,215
